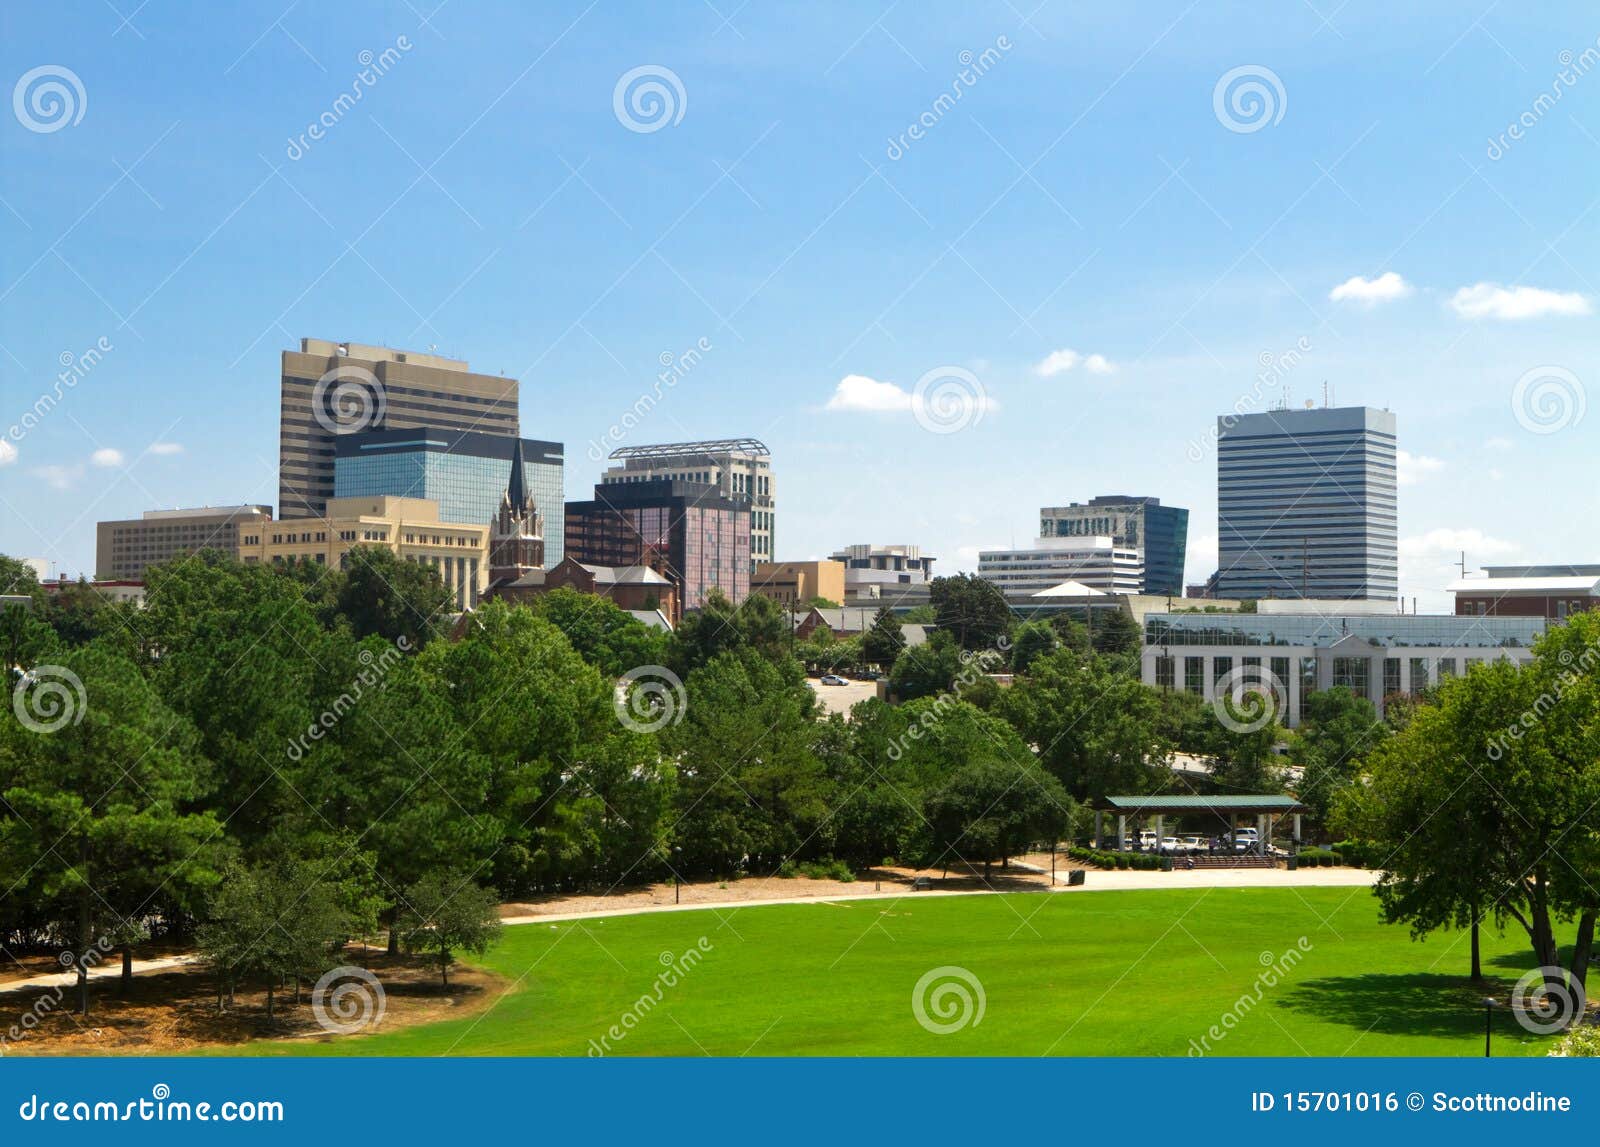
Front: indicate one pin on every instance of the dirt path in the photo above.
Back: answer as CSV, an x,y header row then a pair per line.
x,y
105,971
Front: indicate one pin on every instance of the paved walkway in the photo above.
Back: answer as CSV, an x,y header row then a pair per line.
x,y
112,967
1096,881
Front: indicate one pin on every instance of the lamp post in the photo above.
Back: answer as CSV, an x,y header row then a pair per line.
x,y
1488,1024
677,881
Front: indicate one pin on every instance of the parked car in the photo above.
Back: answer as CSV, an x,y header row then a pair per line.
x,y
1195,844
833,679
1171,845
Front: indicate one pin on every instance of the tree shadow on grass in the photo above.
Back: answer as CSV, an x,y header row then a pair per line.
x,y
1421,1004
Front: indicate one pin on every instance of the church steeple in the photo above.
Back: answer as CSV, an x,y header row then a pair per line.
x,y
516,537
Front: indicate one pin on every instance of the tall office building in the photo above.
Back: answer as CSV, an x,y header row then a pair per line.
x,y
1306,504
740,468
465,472
124,549
688,532
1160,532
332,389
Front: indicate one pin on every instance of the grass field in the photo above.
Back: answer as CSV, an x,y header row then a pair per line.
x,y
1101,973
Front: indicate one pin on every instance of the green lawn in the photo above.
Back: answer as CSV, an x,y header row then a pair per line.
x,y
1097,973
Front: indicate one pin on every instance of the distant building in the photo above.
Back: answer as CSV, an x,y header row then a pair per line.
x,y
1306,504
849,621
739,469
1553,592
125,549
117,591
688,532
464,471
1096,562
410,527
332,389
1160,533
797,583
637,589
1295,655
872,570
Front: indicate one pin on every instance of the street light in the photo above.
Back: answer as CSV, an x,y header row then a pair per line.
x,y
677,881
1489,1006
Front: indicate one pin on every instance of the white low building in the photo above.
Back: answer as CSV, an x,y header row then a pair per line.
x,y
1095,562
1296,654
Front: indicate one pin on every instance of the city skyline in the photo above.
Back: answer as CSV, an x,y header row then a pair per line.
x,y
1089,232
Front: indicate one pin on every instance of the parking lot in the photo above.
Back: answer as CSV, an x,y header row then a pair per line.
x,y
840,698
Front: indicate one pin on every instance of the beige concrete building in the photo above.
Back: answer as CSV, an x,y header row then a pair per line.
x,y
796,583
408,526
329,389
124,549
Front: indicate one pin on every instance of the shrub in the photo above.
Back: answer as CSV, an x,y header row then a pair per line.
x,y
1581,1042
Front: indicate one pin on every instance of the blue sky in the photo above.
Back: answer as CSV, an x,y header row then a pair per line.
x,y
1093,191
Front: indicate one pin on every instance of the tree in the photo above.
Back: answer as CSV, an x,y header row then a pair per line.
x,y
751,790
1487,804
928,669
758,623
1029,641
601,632
382,594
971,610
882,644
993,809
99,782
1094,726
447,912
272,924
1339,730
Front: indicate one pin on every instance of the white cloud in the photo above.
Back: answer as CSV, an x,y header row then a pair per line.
x,y
1056,362
1065,359
1412,468
166,448
1492,301
1386,288
1497,443
106,457
858,392
59,477
8,453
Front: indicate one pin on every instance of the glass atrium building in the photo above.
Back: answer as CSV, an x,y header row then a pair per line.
x,y
466,473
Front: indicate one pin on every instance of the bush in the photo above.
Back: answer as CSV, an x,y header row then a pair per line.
x,y
821,870
1583,1043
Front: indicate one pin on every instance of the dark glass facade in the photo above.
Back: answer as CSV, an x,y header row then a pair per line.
x,y
1160,532
686,531
466,473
